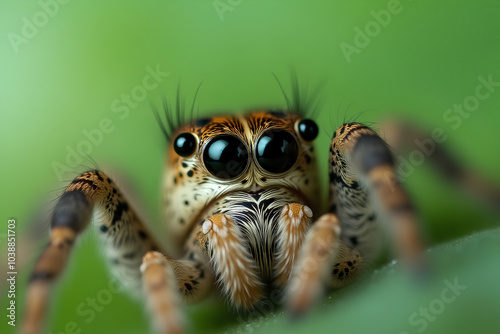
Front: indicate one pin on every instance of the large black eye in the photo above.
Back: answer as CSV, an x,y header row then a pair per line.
x,y
308,129
276,151
225,157
185,144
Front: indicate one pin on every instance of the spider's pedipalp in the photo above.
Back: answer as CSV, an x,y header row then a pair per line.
x,y
232,261
293,223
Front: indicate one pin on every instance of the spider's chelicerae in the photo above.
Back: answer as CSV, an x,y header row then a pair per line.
x,y
243,207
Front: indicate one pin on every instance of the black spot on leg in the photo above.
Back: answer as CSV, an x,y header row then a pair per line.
x,y
129,256
90,183
41,276
186,202
335,271
188,286
120,208
175,180
354,240
184,165
190,173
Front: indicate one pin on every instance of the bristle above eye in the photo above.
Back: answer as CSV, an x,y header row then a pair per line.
x,y
303,102
170,121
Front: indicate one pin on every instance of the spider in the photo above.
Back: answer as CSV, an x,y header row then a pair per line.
x,y
244,212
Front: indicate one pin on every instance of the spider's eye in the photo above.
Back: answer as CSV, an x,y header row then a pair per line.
x,y
276,151
225,157
308,129
185,144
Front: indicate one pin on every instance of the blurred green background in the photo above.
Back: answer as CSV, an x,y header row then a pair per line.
x,y
64,73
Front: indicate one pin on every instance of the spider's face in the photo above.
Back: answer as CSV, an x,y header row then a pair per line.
x,y
212,157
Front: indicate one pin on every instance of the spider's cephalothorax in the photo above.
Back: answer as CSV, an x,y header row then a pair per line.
x,y
243,209
267,157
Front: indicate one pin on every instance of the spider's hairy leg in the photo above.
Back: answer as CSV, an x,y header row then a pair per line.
x,y
364,187
165,280
293,223
222,240
126,239
312,269
159,286
404,137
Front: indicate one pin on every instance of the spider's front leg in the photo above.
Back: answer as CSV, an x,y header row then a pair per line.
x,y
125,237
363,189
315,253
366,190
166,280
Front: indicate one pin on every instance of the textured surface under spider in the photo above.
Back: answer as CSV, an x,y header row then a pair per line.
x,y
244,215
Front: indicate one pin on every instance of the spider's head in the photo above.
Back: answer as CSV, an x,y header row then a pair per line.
x,y
212,157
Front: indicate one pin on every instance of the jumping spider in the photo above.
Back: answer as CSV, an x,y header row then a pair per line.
x,y
243,209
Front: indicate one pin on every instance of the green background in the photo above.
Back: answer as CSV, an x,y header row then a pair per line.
x,y
65,78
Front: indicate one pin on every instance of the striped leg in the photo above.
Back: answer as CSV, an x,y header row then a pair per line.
x,y
166,280
363,187
163,299
404,137
125,237
313,267
231,260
